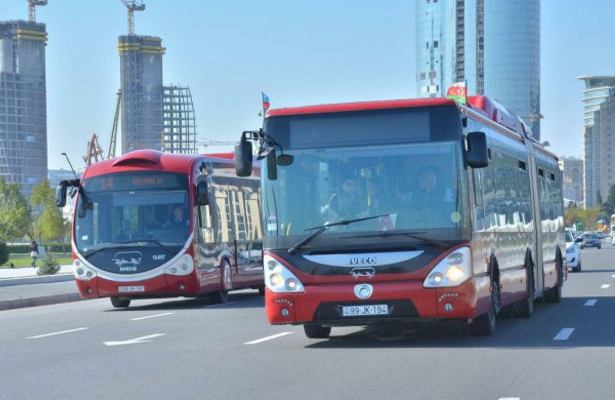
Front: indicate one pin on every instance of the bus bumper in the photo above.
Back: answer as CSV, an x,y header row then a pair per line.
x,y
159,286
407,300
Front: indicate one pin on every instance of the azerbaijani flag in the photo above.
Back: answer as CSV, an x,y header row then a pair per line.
x,y
458,92
266,102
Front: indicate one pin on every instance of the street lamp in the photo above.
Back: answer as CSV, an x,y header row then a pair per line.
x,y
71,165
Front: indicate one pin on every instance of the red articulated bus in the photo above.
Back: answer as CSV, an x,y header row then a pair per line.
x,y
405,210
149,224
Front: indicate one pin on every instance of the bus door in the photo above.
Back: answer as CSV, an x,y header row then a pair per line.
x,y
248,252
537,250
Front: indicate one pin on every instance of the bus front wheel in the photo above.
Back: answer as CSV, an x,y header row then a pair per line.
x,y
120,302
317,331
226,284
484,325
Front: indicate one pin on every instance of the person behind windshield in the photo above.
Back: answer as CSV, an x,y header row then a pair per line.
x,y
179,219
345,203
126,233
431,187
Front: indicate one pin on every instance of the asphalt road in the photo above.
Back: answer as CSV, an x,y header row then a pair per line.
x,y
181,349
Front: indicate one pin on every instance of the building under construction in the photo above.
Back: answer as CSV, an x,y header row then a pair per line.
x,y
152,116
23,105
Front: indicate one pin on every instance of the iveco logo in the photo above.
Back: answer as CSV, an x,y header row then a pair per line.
x,y
352,261
363,291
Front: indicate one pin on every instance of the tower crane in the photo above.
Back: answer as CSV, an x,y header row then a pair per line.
x,y
132,6
94,153
32,8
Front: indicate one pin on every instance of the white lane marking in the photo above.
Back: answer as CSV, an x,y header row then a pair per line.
x,y
221,305
605,286
612,276
277,335
590,303
151,316
564,334
509,398
139,340
58,333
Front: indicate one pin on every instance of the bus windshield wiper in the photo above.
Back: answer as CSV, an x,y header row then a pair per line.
x,y
414,235
154,241
320,229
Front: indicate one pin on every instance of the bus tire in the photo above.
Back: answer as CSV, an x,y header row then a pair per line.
x,y
316,331
484,325
526,306
554,295
226,284
120,302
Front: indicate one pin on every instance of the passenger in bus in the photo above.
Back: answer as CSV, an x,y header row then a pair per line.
x,y
431,187
126,233
429,203
346,203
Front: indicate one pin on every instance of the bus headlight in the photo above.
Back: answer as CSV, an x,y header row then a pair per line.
x,y
183,266
83,272
279,279
455,269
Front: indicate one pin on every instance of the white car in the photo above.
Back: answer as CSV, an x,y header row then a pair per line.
x,y
573,253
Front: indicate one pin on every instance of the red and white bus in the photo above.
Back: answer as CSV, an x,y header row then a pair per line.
x,y
149,224
405,210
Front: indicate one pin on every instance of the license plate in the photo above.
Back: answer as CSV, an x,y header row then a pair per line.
x,y
131,289
364,310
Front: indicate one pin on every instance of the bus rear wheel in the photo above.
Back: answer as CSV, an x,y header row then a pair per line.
x,y
316,331
526,306
554,295
120,302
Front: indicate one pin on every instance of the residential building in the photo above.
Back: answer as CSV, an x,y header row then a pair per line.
x,y
599,137
573,179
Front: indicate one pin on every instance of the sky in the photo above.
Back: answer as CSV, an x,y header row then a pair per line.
x,y
298,52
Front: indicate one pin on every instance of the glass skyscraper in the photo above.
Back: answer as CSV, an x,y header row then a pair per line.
x,y
493,45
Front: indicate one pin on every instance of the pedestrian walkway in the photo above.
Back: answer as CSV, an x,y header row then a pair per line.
x,y
8,273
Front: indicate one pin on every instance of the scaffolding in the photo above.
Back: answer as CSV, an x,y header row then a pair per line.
x,y
178,121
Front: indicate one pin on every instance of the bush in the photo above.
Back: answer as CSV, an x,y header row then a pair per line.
x,y
25,248
50,266
4,253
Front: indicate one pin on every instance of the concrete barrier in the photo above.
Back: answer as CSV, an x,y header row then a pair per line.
x,y
39,301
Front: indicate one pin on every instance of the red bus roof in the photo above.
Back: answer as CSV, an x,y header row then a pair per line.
x,y
140,160
361,106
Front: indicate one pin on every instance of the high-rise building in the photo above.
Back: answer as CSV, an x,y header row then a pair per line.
x,y
178,122
142,91
573,179
599,137
23,104
492,45
154,116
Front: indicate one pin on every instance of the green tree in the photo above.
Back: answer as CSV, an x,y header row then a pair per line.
x,y
15,214
609,205
49,224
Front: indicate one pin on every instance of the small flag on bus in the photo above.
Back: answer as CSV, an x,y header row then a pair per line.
x,y
458,92
266,102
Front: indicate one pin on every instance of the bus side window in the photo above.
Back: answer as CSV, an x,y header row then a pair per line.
x,y
206,225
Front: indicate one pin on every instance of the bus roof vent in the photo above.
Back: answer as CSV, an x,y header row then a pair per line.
x,y
138,157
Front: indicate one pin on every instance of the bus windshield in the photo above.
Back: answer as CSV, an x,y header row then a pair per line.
x,y
139,209
416,188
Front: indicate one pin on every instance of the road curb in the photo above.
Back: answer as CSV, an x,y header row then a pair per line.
x,y
36,279
39,301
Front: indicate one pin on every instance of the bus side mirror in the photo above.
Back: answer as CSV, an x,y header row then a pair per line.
x,y
61,195
201,193
477,155
243,157
272,166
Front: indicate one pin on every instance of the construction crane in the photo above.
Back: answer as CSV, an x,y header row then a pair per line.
x,y
132,6
94,153
32,8
116,119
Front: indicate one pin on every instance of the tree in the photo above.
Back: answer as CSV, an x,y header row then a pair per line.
x,y
49,225
14,212
609,205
